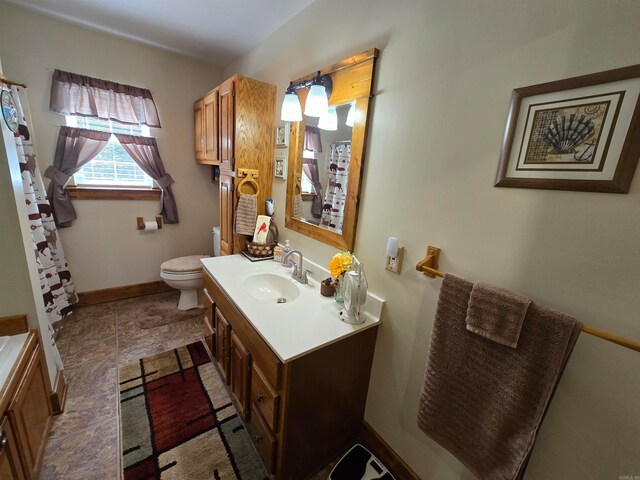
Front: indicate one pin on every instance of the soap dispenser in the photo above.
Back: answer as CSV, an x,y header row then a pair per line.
x,y
287,249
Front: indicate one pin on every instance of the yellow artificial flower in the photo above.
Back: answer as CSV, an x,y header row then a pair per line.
x,y
340,263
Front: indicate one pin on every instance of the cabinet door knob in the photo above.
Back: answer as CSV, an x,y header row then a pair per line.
x,y
3,439
259,397
258,438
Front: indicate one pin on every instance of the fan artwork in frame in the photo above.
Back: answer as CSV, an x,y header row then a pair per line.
x,y
582,133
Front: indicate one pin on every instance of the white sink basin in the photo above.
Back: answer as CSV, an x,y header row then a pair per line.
x,y
269,286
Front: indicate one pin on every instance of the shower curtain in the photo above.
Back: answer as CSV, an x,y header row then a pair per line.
x,y
336,192
58,291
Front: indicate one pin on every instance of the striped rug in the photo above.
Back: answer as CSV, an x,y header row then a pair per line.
x,y
177,421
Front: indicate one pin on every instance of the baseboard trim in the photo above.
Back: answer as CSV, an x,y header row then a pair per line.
x,y
13,325
59,395
95,297
381,449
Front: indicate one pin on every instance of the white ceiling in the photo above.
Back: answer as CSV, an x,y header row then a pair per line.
x,y
216,31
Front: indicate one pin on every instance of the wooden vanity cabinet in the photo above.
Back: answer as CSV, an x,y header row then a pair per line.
x,y
222,356
10,468
26,413
300,414
209,320
240,371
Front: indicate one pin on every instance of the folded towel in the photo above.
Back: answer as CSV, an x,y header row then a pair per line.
x,y
246,215
261,229
496,313
298,206
482,401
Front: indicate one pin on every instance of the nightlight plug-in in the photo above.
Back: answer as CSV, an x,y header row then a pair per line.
x,y
394,255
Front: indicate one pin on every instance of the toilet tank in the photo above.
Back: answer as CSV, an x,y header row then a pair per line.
x,y
216,241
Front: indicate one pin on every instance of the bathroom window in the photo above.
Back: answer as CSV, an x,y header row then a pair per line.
x,y
112,174
305,181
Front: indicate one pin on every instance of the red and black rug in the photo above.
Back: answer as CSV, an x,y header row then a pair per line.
x,y
177,421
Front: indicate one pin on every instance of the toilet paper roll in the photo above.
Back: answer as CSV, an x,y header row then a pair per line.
x,y
151,226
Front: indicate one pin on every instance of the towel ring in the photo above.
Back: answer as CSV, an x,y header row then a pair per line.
x,y
250,177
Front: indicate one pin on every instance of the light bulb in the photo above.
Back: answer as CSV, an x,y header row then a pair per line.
x,y
329,121
291,110
317,103
351,115
392,247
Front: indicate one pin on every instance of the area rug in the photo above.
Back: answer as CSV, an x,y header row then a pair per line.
x,y
157,310
177,421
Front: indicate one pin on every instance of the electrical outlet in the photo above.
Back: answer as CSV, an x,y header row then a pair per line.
x,y
394,264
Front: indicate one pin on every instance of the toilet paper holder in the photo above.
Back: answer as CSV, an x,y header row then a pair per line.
x,y
140,222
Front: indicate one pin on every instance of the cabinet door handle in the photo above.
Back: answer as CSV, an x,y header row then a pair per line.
x,y
259,397
3,439
258,438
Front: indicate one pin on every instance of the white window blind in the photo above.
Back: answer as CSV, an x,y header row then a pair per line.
x,y
113,167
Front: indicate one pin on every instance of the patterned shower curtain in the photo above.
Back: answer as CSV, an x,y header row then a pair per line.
x,y
58,291
336,192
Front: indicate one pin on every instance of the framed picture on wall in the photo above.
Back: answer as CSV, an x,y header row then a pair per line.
x,y
282,136
280,167
581,133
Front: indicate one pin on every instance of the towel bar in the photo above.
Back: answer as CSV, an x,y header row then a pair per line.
x,y
250,176
429,266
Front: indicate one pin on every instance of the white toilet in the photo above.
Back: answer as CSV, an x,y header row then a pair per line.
x,y
185,274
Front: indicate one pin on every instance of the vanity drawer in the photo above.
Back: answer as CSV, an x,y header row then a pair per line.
x,y
264,399
263,440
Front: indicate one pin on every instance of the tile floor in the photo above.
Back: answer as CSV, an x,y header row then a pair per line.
x,y
84,440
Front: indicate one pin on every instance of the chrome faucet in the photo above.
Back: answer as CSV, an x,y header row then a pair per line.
x,y
299,273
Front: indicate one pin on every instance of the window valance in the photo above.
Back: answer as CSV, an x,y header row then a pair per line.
x,y
74,94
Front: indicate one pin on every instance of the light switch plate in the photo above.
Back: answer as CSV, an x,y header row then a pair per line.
x,y
394,264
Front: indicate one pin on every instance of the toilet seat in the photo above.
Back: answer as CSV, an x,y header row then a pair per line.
x,y
180,275
190,264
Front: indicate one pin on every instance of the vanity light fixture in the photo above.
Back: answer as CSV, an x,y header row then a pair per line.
x,y
317,103
329,121
291,111
351,116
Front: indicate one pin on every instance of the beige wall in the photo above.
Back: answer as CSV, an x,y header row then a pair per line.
x,y
103,247
444,80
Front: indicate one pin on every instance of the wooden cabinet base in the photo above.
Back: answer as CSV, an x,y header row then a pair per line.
x,y
27,412
301,414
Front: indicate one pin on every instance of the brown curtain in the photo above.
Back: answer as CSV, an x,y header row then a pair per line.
x,y
144,151
312,139
73,94
76,146
310,168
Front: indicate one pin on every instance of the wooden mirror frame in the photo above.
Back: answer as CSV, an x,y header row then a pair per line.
x,y
352,81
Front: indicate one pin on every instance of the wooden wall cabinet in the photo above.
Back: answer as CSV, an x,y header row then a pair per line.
x,y
239,135
301,414
205,127
226,213
26,414
198,129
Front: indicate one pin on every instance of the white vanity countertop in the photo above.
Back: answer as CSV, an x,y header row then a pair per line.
x,y
295,328
10,348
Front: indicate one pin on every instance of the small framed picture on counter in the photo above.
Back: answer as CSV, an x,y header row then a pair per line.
x,y
280,167
282,136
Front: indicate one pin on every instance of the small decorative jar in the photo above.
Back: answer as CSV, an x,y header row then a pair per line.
x,y
327,288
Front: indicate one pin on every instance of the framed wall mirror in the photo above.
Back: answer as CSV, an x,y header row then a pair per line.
x,y
326,153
